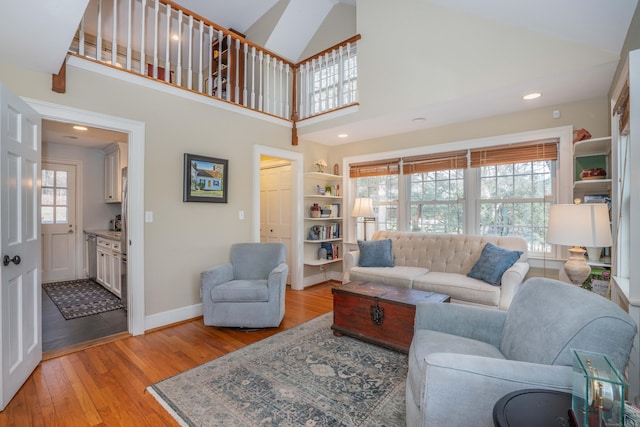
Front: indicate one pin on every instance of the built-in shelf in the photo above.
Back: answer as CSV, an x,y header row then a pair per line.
x,y
321,196
318,262
325,240
333,218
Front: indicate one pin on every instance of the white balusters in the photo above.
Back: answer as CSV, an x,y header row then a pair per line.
x,y
236,91
190,60
286,88
81,38
99,39
142,38
114,40
253,77
210,47
230,58
266,97
167,49
129,32
156,12
219,67
246,61
200,58
179,66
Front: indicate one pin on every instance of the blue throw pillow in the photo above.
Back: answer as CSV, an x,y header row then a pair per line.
x,y
375,253
493,262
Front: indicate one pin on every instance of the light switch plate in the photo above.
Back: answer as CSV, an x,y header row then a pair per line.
x,y
148,216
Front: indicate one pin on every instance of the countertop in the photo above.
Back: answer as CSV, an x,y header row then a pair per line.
x,y
107,234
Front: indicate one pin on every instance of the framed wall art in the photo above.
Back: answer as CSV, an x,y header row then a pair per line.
x,y
205,179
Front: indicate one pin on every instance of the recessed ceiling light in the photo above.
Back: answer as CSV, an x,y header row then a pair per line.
x,y
343,135
419,120
175,37
532,95
80,128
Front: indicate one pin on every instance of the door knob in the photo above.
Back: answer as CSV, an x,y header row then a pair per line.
x,y
6,260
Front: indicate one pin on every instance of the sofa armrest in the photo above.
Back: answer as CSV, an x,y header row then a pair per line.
x,y
511,281
215,276
478,323
351,259
277,280
462,389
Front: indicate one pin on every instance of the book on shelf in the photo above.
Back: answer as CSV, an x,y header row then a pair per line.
x,y
333,250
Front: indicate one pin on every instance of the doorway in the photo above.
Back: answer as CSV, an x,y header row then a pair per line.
x,y
135,153
287,167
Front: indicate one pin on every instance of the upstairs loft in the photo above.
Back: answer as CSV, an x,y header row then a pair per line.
x,y
161,40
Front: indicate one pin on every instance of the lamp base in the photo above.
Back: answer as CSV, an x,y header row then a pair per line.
x,y
576,266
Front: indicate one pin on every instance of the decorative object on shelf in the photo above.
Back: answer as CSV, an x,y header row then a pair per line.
x,y
328,190
205,179
322,253
320,190
321,164
580,225
336,169
315,210
581,135
363,207
595,173
597,396
314,233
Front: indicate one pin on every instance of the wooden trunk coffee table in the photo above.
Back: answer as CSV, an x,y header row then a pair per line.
x,y
377,313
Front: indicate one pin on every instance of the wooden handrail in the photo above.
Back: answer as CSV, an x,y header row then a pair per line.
x,y
330,49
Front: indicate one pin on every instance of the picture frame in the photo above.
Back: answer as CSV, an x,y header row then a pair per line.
x,y
206,179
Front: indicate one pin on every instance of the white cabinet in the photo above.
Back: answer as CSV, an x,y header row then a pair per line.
x,y
323,190
108,265
115,158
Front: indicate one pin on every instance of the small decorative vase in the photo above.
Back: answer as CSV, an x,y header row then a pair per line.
x,y
320,168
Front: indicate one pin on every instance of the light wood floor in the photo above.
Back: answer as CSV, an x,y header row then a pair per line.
x,y
105,385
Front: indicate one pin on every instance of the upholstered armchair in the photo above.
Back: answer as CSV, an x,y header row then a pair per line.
x,y
464,358
249,291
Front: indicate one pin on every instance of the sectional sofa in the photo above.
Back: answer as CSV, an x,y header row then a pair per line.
x,y
477,270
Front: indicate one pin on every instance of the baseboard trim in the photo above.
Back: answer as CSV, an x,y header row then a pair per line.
x,y
165,318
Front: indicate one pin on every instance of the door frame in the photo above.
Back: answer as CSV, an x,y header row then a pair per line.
x,y
136,132
79,225
296,200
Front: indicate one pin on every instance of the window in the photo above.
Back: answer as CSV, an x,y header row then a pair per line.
x,y
504,190
377,180
514,201
335,80
55,204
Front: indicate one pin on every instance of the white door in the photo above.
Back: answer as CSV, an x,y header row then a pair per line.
x,y
58,213
275,207
20,293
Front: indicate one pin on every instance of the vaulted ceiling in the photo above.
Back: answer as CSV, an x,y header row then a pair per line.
x,y
36,35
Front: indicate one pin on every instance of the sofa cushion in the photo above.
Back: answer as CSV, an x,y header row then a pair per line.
x,y
492,264
375,253
241,290
459,287
400,276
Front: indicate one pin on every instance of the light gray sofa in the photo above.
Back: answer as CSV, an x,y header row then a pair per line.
x,y
249,291
463,359
440,263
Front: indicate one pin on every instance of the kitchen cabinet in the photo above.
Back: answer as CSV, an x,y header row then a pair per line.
x,y
323,229
115,158
108,272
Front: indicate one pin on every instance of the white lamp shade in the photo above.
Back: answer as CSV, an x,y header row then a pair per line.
x,y
363,207
579,225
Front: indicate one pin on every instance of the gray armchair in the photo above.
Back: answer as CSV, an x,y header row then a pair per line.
x,y
464,358
249,291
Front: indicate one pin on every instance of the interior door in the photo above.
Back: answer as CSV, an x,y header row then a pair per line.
x,y
275,207
58,216
20,292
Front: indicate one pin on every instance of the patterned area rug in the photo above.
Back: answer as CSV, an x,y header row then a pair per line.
x,y
80,298
304,376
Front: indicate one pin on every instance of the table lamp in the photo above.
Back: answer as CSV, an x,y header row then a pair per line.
x,y
363,207
579,225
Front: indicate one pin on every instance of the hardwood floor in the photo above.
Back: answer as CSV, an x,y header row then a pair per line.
x,y
105,385
59,333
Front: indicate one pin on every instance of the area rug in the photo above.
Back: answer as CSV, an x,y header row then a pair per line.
x,y
304,376
80,298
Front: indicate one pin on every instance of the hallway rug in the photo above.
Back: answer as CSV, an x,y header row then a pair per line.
x,y
304,376
80,298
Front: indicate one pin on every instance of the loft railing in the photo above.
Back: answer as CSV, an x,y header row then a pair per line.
x,y
164,41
